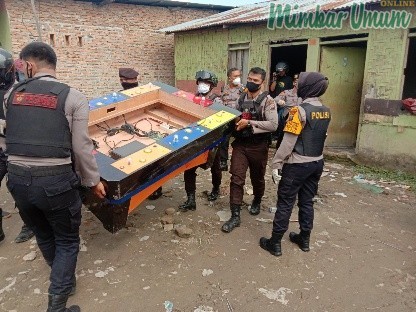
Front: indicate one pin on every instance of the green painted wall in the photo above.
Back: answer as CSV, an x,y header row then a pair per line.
x,y
201,51
5,39
391,143
383,74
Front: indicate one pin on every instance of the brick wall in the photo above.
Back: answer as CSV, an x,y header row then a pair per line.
x,y
92,41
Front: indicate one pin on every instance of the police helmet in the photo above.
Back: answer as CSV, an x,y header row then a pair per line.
x,y
6,70
282,66
206,75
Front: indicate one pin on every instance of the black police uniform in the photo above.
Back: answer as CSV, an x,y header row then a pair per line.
x,y
3,158
302,178
47,196
3,162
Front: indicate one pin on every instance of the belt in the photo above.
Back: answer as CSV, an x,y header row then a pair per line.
x,y
251,140
38,171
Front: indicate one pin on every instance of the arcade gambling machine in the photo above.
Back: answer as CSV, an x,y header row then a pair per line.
x,y
144,137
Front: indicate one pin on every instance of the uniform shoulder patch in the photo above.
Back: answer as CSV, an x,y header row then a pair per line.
x,y
293,123
270,103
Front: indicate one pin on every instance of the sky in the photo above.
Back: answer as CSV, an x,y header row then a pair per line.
x,y
224,2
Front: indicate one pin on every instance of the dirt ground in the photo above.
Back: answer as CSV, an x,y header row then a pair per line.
x,y
363,255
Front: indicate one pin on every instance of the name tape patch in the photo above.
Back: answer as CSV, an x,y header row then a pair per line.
x,y
36,100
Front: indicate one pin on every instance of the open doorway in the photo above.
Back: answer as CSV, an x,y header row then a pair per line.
x,y
293,55
343,64
409,87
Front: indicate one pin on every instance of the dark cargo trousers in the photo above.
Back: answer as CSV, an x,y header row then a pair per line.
x,y
3,164
216,173
49,203
297,180
251,155
223,149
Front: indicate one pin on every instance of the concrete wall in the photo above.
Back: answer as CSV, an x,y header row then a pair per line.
x,y
388,142
113,36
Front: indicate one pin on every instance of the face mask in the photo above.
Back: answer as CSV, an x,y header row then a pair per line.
x,y
129,85
203,88
29,72
237,81
252,87
20,77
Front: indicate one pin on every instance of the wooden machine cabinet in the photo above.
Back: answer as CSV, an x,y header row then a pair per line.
x,y
144,137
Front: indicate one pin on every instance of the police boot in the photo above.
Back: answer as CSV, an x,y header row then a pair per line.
x,y
255,206
301,239
24,235
234,220
1,225
223,165
57,303
156,194
190,203
215,193
272,245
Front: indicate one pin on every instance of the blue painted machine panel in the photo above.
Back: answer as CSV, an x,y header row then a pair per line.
x,y
184,136
107,99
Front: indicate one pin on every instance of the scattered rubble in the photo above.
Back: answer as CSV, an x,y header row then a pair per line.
x,y
183,231
167,219
30,256
224,215
207,272
144,238
170,211
277,295
168,227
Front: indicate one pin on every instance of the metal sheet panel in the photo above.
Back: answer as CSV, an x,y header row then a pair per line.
x,y
259,12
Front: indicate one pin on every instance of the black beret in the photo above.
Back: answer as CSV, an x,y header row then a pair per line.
x,y
128,73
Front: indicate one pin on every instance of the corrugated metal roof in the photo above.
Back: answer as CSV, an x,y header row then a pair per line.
x,y
166,3
260,12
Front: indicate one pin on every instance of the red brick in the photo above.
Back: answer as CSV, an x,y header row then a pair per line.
x,y
114,35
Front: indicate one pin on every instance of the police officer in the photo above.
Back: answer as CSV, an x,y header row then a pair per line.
x,y
129,80
6,81
285,101
250,147
280,80
7,78
229,95
44,155
300,160
205,81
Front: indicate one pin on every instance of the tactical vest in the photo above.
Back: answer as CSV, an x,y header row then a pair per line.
x,y
312,138
255,112
2,116
36,121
